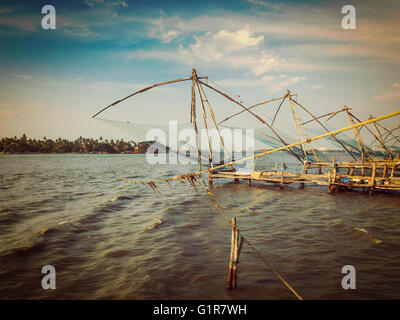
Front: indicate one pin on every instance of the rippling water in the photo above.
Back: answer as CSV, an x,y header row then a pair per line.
x,y
111,240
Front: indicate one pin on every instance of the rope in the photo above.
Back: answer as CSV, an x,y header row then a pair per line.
x,y
335,132
270,267
195,180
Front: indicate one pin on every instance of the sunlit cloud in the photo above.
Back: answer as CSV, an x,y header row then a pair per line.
x,y
286,84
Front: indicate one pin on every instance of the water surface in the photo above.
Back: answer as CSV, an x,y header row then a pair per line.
x,y
109,239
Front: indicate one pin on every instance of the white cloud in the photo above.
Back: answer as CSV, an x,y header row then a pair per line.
x,y
237,83
286,83
23,23
267,78
316,86
218,45
163,29
269,5
4,113
237,48
387,96
110,3
23,76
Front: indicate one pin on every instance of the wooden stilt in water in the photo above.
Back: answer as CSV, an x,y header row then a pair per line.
x,y
235,259
236,248
371,189
230,271
210,179
282,175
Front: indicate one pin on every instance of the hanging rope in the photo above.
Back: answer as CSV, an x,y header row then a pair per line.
x,y
193,180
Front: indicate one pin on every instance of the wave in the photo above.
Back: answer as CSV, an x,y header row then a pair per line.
x,y
117,254
157,222
369,236
32,247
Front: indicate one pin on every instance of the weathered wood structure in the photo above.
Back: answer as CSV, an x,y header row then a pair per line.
x,y
366,169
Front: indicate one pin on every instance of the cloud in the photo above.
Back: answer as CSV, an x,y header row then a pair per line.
x,y
269,5
5,10
5,113
21,23
237,83
109,3
218,45
387,96
316,86
239,49
23,76
163,30
286,83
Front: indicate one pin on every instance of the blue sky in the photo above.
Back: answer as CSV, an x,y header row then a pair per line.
x,y
52,81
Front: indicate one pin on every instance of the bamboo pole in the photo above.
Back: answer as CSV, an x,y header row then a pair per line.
x,y
203,110
319,117
140,91
360,143
388,133
279,107
235,259
229,281
325,128
371,189
251,107
378,137
214,122
297,127
254,115
194,121
296,117
334,132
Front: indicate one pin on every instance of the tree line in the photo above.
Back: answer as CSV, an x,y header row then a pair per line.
x,y
80,145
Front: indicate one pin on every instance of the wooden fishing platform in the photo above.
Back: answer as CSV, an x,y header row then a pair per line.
x,y
380,174
374,171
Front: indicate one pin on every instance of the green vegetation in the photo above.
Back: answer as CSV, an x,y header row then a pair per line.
x,y
80,145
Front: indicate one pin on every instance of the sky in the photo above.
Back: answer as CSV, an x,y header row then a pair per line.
x,y
53,81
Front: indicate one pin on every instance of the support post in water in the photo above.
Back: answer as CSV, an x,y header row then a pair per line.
x,y
332,177
236,247
373,175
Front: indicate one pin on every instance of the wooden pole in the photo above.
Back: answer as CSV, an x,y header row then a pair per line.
x,y
325,128
257,117
371,190
279,107
214,121
357,135
337,131
194,121
203,110
388,133
229,281
235,259
251,107
332,178
297,127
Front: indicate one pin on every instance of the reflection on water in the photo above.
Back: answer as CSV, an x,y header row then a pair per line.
x,y
109,239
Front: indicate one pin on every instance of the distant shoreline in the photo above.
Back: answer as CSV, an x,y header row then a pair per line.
x,y
25,145
22,153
